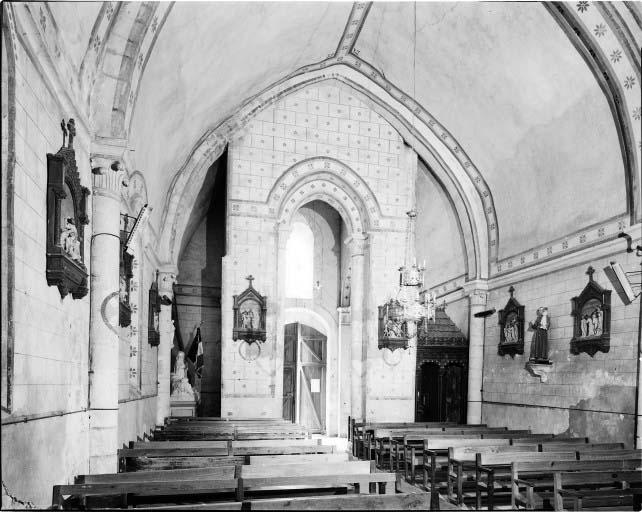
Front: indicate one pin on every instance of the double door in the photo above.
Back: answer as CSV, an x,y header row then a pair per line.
x,y
441,392
304,376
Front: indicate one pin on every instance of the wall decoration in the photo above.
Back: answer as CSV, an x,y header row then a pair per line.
x,y
538,364
592,314
153,325
393,330
66,216
250,309
511,327
126,271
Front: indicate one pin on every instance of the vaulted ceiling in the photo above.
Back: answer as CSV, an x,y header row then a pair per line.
x,y
505,80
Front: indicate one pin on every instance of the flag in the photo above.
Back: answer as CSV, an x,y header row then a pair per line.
x,y
195,358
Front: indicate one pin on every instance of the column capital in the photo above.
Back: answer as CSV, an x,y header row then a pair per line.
x,y
357,243
108,175
166,280
477,290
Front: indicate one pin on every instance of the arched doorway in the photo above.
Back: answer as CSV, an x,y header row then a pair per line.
x,y
304,376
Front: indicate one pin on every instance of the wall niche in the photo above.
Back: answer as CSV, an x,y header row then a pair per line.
x,y
511,327
592,319
66,218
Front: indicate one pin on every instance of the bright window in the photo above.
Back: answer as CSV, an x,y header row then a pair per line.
x,y
299,262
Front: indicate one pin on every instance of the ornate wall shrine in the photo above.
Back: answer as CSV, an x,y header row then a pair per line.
x,y
442,370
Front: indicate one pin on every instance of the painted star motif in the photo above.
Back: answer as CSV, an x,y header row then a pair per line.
x,y
629,82
582,6
616,55
600,30
637,113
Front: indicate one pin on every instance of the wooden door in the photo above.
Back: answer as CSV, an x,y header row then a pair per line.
x,y
312,371
454,393
289,371
428,396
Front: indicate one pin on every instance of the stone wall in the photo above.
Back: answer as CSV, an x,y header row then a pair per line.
x,y
45,431
368,166
51,353
584,395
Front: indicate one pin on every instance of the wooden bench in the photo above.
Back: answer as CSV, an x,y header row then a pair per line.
x,y
297,477
357,431
489,466
537,478
381,439
412,445
312,458
601,488
183,454
219,479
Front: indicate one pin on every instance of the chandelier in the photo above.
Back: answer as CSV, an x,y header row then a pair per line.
x,y
415,305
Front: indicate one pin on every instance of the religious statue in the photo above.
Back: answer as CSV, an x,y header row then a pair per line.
x,y
69,240
247,319
180,383
511,333
539,344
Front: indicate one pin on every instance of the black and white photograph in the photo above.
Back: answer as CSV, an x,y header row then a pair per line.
x,y
321,255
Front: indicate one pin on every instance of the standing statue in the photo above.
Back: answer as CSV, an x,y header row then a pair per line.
x,y
181,388
539,344
69,240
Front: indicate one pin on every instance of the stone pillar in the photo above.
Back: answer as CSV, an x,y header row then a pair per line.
x,y
166,280
103,329
477,291
357,295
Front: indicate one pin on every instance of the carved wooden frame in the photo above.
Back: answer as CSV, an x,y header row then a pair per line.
x,y
153,327
69,275
592,343
389,342
512,307
239,332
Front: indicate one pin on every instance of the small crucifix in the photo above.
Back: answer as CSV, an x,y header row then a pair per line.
x,y
250,278
64,132
511,290
589,272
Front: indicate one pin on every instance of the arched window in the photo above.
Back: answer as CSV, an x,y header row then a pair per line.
x,y
299,262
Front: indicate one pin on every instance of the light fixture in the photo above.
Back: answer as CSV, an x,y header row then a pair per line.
x,y
411,280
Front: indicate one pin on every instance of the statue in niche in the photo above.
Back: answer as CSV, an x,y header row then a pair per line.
x,y
591,319
181,388
539,344
247,319
511,329
69,240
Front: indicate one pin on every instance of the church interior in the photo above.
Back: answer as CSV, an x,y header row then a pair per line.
x,y
316,255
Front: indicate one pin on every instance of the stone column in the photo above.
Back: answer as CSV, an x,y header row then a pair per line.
x,y
103,329
477,291
281,235
358,246
166,280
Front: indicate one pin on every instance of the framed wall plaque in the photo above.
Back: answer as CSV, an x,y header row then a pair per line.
x,y
393,331
66,218
511,327
250,308
592,318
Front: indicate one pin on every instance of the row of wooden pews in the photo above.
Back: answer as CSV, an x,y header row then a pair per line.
x,y
489,467
214,463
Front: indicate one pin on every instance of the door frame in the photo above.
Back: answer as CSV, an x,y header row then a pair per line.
x,y
328,326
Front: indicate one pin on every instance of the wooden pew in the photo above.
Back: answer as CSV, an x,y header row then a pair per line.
x,y
461,464
282,477
488,464
602,488
188,454
311,458
222,479
375,440
357,430
418,501
412,445
537,477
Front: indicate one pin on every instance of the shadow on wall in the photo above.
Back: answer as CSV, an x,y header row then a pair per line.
x,y
617,425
